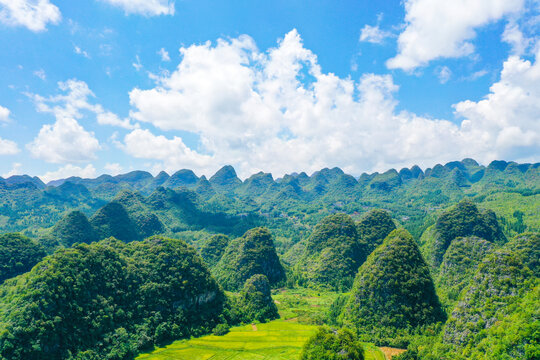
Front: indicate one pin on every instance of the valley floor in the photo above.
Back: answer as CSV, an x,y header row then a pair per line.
x,y
283,339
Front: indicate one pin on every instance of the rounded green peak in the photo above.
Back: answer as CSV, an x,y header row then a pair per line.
x,y
225,176
113,220
329,231
332,253
256,300
462,220
393,288
74,228
253,253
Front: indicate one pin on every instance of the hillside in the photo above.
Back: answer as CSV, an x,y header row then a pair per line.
x,y
332,254
393,290
253,253
106,300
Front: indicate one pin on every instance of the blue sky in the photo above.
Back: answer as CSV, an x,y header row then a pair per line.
x,y
109,86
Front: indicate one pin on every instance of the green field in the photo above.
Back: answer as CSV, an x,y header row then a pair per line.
x,y
271,341
274,340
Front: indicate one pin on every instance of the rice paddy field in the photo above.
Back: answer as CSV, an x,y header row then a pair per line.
x,y
301,311
276,340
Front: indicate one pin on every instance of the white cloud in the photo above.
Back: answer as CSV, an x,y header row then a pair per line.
x,y
80,51
444,73
69,170
173,153
40,74
109,118
16,169
443,29
32,14
114,168
8,147
137,65
164,55
4,114
256,111
144,7
513,36
507,121
66,141
374,34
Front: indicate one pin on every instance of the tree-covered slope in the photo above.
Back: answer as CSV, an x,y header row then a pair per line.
x,y
500,282
213,249
107,300
255,300
460,221
459,265
372,229
18,254
393,289
74,228
332,254
254,253
113,220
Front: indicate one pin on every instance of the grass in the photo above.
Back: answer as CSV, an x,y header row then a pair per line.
x,y
300,309
274,340
305,306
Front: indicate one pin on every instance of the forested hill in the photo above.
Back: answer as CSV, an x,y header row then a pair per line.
x,y
290,205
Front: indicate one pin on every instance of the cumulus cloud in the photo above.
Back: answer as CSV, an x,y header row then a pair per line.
x,y
8,147
16,169
513,36
32,14
173,153
144,7
164,54
374,34
444,29
4,114
114,168
507,121
66,141
69,170
277,111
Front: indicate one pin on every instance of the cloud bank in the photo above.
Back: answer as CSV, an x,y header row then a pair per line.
x,y
278,111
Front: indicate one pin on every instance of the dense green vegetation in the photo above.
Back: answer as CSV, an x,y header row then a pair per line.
x,y
372,229
463,220
308,238
213,249
74,228
459,264
107,300
393,290
18,254
255,300
254,253
333,345
499,287
332,253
